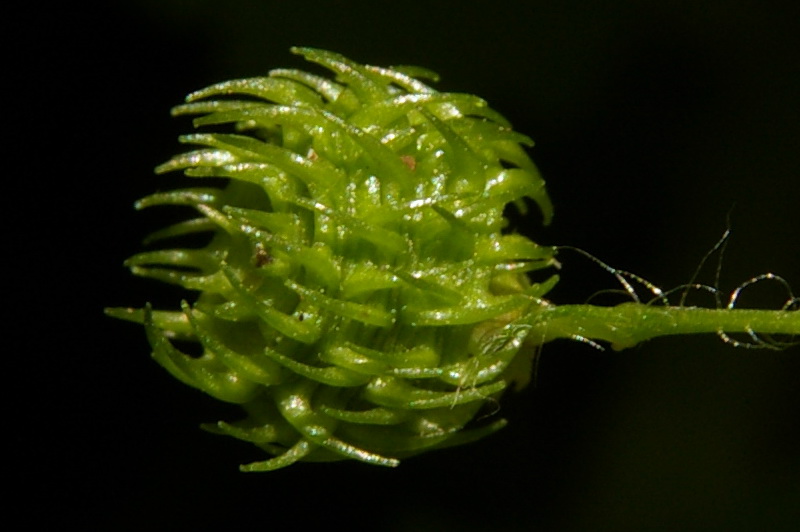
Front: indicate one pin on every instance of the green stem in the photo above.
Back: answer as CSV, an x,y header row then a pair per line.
x,y
628,324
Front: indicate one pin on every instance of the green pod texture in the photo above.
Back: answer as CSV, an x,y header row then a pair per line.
x,y
360,293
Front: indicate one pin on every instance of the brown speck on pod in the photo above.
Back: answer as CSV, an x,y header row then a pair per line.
x,y
409,161
262,257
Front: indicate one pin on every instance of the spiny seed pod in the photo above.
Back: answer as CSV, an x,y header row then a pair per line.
x,y
360,295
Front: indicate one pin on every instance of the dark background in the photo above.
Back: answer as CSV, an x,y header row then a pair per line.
x,y
653,120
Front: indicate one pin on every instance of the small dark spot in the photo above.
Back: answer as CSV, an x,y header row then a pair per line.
x,y
262,257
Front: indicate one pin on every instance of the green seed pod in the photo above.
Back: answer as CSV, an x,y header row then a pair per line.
x,y
359,297
360,294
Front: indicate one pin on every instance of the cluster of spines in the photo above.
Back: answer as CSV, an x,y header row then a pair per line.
x,y
358,296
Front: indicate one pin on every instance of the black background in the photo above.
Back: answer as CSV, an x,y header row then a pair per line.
x,y
653,120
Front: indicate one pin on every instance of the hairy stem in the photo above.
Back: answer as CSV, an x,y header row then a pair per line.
x,y
628,324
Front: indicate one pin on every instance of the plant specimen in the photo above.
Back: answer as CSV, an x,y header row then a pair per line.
x,y
360,293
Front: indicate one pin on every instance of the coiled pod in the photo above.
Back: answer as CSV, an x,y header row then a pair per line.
x,y
359,296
